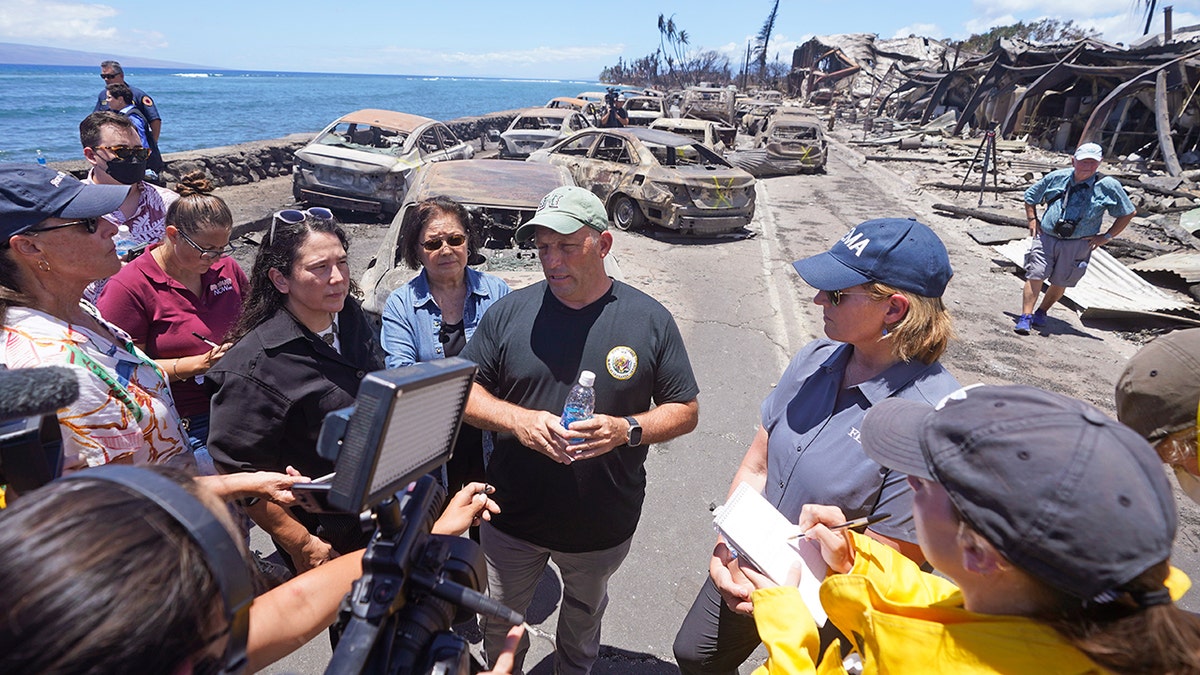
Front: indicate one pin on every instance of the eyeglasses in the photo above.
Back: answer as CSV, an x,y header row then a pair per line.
x,y
208,253
109,76
454,240
90,224
125,152
835,297
296,216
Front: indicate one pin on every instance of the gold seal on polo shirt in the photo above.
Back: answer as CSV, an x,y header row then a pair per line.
x,y
621,362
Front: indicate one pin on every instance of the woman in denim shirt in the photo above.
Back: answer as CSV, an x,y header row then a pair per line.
x,y
434,314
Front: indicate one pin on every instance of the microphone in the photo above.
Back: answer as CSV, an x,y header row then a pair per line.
x,y
36,391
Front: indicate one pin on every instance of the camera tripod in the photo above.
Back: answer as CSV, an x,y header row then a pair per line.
x,y
986,150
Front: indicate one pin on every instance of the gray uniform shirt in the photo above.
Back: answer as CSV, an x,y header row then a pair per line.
x,y
814,455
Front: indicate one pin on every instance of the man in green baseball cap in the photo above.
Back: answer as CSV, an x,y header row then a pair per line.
x,y
575,492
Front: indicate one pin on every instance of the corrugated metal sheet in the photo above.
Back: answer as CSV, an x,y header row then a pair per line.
x,y
1108,286
1186,264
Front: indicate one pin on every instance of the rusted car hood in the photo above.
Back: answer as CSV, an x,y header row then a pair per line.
x,y
490,182
355,160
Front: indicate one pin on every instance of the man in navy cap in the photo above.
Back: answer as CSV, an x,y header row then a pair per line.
x,y
1069,229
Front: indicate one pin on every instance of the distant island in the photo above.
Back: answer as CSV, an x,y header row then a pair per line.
x,y
12,53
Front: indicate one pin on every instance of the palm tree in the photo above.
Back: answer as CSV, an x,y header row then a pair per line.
x,y
1150,5
763,39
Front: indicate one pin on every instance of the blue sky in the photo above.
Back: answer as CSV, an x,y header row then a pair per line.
x,y
521,38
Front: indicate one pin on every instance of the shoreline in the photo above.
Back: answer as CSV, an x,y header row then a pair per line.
x,y
253,161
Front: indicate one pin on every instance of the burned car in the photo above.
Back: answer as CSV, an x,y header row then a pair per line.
x,y
645,109
364,160
790,144
590,109
536,128
715,136
752,114
650,176
708,103
500,196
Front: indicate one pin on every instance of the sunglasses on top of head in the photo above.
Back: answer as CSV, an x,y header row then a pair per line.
x,y
125,152
454,241
295,216
835,297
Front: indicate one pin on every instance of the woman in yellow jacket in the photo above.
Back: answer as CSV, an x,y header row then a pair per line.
x,y
1053,523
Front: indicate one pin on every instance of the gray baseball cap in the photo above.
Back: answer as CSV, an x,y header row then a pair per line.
x,y
1159,391
565,210
1067,494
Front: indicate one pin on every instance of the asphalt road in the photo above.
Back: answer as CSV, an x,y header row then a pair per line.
x,y
743,312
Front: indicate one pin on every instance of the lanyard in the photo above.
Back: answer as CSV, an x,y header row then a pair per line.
x,y
118,390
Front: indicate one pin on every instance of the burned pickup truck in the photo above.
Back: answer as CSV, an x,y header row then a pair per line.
x,y
646,176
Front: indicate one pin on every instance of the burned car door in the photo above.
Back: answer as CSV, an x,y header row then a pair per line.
x,y
454,148
573,154
429,144
612,164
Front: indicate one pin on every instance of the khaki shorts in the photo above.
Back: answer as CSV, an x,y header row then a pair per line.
x,y
1062,262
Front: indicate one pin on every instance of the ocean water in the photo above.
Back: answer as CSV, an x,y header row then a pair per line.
x,y
203,109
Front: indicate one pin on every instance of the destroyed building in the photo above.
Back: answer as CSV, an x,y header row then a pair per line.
x,y
1137,102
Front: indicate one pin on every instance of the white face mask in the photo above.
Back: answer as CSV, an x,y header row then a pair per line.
x,y
1189,484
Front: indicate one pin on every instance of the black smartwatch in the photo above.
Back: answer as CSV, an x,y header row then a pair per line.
x,y
634,437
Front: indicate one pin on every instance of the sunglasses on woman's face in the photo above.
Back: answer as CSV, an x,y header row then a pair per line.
x,y
89,224
454,240
835,297
125,152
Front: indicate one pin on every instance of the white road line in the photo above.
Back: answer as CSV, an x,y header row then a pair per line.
x,y
780,293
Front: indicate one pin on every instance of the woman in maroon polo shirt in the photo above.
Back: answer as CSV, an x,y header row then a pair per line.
x,y
180,299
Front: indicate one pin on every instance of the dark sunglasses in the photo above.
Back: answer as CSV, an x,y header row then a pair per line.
x,y
109,76
208,253
125,152
294,216
454,240
89,224
835,297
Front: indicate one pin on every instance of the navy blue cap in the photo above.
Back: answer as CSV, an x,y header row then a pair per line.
x,y
899,252
31,193
1064,492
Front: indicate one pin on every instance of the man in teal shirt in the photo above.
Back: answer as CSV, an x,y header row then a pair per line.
x,y
1069,230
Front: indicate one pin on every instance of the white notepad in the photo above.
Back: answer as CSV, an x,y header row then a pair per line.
x,y
759,533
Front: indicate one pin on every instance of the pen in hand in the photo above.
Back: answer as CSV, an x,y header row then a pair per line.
x,y
856,522
206,341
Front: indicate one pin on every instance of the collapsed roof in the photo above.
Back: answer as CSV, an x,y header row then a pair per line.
x,y
1133,101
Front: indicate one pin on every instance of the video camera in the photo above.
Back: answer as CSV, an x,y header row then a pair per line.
x,y
610,98
397,618
30,436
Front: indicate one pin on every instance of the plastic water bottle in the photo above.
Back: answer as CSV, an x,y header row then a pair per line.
x,y
41,159
124,241
581,402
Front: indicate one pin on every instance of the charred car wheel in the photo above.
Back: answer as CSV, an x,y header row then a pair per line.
x,y
627,215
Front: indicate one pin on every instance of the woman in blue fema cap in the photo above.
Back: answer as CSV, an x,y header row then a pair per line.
x,y
1050,525
879,288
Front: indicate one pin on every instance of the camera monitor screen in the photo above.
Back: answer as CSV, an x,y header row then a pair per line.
x,y
403,424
